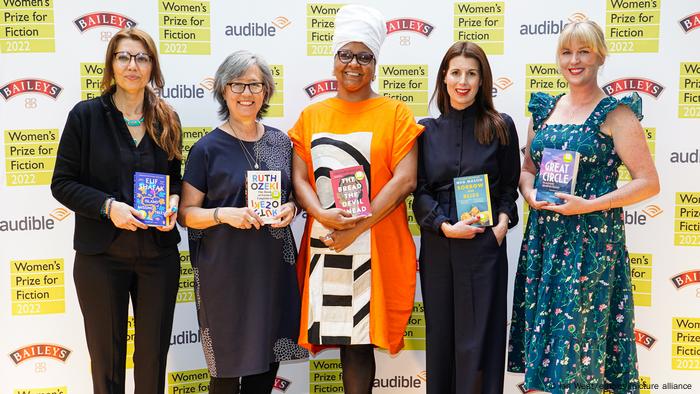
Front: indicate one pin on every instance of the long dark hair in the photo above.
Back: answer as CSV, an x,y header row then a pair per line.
x,y
155,110
489,123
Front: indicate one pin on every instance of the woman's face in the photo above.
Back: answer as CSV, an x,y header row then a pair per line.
x,y
244,106
579,64
131,75
353,76
463,80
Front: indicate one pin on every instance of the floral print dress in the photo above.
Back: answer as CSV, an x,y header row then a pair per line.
x,y
572,328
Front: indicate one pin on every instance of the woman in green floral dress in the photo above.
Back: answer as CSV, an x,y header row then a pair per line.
x,y
572,327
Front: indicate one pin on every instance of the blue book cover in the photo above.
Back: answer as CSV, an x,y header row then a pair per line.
x,y
151,197
558,170
473,199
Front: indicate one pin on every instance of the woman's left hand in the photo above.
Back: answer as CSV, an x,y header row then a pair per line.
x,y
499,231
172,213
341,239
573,205
286,215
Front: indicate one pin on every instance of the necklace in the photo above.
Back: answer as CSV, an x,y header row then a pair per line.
x,y
134,122
252,161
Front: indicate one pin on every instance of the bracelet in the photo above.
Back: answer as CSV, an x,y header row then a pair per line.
x,y
216,215
610,201
109,208
296,210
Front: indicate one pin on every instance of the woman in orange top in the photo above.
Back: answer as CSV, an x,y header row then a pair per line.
x,y
358,273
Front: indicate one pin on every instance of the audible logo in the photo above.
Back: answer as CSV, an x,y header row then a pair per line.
x,y
181,91
640,218
40,350
399,381
256,29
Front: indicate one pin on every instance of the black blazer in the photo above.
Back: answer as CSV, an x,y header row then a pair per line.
x,y
87,173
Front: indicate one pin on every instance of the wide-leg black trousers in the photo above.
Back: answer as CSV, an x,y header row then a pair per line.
x,y
104,284
464,286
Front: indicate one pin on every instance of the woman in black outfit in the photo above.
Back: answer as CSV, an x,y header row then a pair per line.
x,y
106,140
463,268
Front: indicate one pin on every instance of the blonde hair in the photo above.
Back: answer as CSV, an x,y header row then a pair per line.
x,y
587,32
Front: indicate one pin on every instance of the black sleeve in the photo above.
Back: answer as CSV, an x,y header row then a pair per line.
x,y
196,167
175,168
66,185
509,169
429,214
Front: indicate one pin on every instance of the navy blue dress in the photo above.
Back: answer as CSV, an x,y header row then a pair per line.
x,y
245,281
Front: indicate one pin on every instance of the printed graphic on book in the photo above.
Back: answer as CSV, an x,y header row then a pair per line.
x,y
351,191
264,191
473,199
151,197
558,170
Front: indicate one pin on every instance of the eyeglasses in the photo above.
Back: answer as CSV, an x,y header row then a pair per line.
x,y
239,87
363,58
124,58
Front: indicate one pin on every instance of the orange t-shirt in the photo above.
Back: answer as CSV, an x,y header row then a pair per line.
x,y
377,132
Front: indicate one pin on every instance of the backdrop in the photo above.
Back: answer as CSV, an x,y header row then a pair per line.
x,y
51,57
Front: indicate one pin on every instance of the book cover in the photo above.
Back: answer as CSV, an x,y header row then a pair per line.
x,y
151,197
473,199
558,170
351,190
264,194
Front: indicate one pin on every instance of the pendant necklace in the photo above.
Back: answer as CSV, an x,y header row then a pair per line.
x,y
252,161
129,122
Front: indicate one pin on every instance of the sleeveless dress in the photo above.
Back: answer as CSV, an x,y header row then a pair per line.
x,y
572,327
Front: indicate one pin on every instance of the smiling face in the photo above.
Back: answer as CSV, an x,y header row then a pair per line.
x,y
354,78
246,105
579,63
463,80
131,77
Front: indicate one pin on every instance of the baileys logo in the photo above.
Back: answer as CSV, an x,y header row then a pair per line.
x,y
686,278
642,85
57,352
30,85
690,22
644,339
320,87
410,25
103,18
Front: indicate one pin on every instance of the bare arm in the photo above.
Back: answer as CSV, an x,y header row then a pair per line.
x,y
194,216
528,173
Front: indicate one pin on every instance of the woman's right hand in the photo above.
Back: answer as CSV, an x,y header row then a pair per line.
x,y
337,219
241,218
530,196
462,229
125,217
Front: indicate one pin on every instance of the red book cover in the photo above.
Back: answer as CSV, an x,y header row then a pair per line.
x,y
351,190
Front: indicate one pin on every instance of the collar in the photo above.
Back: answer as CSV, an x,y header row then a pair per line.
x,y
468,112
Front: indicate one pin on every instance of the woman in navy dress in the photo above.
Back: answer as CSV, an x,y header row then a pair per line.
x,y
464,268
245,279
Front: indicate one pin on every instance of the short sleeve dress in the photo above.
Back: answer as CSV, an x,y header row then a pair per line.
x,y
247,295
573,315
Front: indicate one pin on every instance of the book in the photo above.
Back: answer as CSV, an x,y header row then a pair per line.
x,y
152,197
558,170
473,199
264,194
351,190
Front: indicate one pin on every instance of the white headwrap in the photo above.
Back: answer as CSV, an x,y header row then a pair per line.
x,y
359,23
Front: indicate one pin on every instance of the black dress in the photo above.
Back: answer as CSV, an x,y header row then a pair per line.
x,y
464,282
245,281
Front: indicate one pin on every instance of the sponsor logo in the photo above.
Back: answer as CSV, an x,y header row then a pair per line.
x,y
27,223
652,210
686,278
399,381
690,22
40,350
692,157
522,388
281,384
503,83
59,213
186,337
320,87
644,339
108,19
257,29
207,83
30,85
423,375
545,28
641,85
577,17
281,22
409,24
181,91
642,217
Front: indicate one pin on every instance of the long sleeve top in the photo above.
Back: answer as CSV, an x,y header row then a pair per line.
x,y
448,149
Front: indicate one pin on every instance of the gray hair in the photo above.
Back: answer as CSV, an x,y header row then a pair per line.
x,y
234,66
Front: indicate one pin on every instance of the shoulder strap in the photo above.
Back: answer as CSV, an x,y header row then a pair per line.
x,y
541,105
608,104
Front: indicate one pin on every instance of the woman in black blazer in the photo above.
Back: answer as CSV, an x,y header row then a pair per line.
x,y
106,140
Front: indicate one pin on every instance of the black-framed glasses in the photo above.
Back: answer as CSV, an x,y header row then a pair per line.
x,y
363,58
123,58
239,87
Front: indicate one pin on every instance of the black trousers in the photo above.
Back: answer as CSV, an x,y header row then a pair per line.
x,y
104,284
464,286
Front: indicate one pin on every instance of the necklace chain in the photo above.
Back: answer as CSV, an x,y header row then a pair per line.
x,y
252,161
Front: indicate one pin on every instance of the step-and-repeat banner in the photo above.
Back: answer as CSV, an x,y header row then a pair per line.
x,y
51,55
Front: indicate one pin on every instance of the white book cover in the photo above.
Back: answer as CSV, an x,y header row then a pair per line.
x,y
264,194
